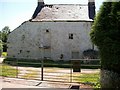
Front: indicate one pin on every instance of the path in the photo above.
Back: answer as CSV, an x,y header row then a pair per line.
x,y
1,59
23,83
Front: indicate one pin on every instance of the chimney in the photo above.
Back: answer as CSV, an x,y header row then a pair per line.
x,y
91,9
40,2
38,8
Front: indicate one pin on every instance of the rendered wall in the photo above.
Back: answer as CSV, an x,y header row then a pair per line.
x,y
35,40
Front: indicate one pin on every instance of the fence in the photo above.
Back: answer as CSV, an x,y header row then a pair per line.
x,y
74,70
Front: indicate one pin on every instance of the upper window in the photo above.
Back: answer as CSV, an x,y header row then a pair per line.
x,y
70,36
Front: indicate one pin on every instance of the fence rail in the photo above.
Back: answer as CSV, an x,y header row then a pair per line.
x,y
53,70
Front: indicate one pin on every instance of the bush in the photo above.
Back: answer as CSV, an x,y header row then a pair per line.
x,y
106,35
1,47
90,54
47,63
4,54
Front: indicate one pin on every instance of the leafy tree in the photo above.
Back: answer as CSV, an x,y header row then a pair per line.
x,y
1,47
105,34
4,33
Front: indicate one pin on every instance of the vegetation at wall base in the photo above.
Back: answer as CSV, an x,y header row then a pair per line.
x,y
48,63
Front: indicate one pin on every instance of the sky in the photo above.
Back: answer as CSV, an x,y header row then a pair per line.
x,y
14,12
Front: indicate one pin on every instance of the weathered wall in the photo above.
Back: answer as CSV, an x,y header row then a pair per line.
x,y
26,41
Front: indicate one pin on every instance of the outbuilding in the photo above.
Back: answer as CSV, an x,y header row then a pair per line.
x,y
55,31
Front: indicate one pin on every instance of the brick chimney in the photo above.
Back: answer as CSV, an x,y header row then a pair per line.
x,y
91,9
38,8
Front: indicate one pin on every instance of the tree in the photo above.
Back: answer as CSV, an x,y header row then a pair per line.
x,y
4,33
1,48
105,34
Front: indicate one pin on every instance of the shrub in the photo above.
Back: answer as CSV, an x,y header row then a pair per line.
x,y
1,47
105,34
90,54
4,54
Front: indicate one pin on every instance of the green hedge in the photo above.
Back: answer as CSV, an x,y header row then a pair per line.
x,y
105,34
49,63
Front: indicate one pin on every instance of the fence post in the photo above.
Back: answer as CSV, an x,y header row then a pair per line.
x,y
71,72
42,69
16,68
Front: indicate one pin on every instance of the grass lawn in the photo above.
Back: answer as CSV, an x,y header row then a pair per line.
x,y
31,75
91,79
84,77
7,71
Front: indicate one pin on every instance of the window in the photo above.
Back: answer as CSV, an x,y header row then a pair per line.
x,y
70,36
20,51
47,30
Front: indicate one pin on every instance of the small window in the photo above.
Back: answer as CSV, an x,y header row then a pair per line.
x,y
47,30
70,36
20,51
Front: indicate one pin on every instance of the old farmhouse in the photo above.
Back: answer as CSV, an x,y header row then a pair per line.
x,y
55,31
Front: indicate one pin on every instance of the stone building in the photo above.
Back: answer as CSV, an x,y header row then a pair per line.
x,y
55,31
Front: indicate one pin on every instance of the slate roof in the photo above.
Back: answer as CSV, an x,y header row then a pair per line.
x,y
62,12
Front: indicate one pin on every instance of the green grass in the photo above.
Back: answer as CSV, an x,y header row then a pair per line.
x,y
31,75
91,79
7,71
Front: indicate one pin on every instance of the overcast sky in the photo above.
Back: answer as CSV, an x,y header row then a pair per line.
x,y
14,12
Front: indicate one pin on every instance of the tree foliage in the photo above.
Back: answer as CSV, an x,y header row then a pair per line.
x,y
1,47
105,34
4,35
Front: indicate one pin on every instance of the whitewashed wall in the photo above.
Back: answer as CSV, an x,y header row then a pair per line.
x,y
26,40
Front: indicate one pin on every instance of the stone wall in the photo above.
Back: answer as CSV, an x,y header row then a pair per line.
x,y
27,41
